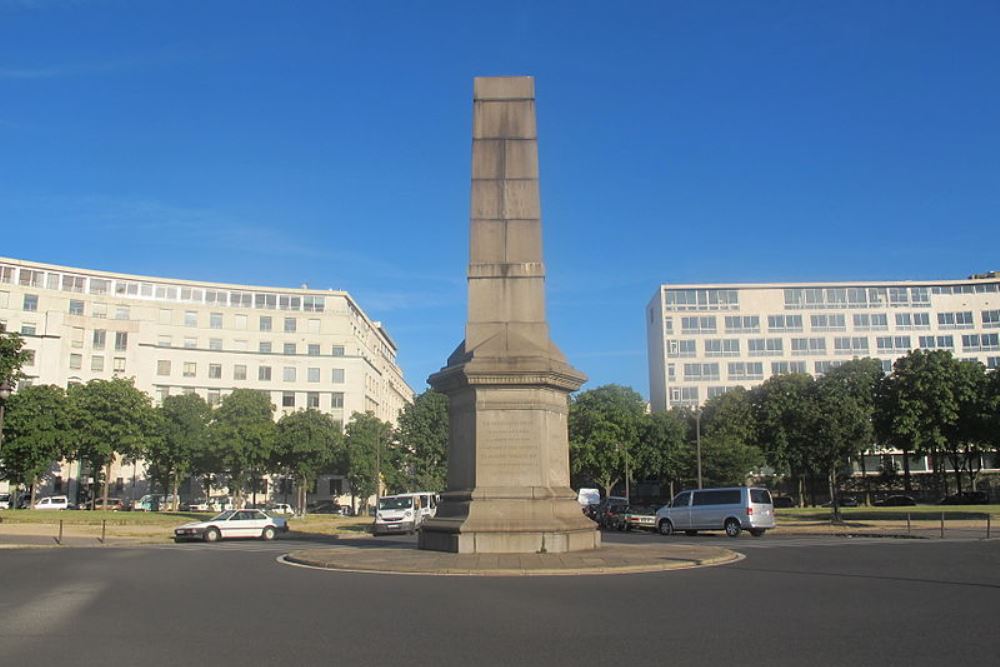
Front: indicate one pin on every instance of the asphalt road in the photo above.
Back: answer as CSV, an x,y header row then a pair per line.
x,y
818,601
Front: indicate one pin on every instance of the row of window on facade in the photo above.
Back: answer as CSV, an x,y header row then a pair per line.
x,y
283,485
852,345
243,345
824,297
708,324
164,368
69,282
289,399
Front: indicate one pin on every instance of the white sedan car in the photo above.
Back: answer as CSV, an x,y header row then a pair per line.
x,y
232,523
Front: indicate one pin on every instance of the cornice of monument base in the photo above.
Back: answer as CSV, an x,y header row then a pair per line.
x,y
530,372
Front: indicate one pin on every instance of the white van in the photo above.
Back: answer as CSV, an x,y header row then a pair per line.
x,y
53,503
404,512
732,509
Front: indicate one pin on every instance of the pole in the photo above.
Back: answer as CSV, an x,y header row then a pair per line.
x,y
907,523
3,410
59,539
378,468
104,527
942,524
988,517
628,495
697,430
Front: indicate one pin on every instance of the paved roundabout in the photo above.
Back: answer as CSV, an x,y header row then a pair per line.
x,y
609,559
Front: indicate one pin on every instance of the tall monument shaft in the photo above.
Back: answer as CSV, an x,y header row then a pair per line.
x,y
508,384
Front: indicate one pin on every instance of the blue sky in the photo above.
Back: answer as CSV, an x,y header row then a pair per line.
x,y
328,143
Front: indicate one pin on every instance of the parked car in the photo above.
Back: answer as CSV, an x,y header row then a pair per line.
x,y
113,504
896,501
966,498
596,511
612,516
588,497
783,502
733,509
640,517
232,524
328,507
846,501
54,503
221,503
196,505
281,508
5,501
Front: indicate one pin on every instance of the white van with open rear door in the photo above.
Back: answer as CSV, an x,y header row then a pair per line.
x,y
404,512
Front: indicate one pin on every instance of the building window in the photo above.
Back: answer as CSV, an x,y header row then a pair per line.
x,y
239,372
827,322
190,369
701,372
313,350
288,374
29,358
681,348
214,397
698,325
119,364
684,395
31,302
742,324
215,344
808,345
164,341
163,367
313,375
937,342
121,312
892,344
121,341
190,318
312,399
288,399
290,325
784,367
264,373
289,348
75,307
28,329
191,343
962,320
97,363
76,361
76,337
785,323
749,370
264,347
759,347
99,310
240,322
215,320
850,345
337,351
337,377
215,371
336,400
824,367
981,342
265,323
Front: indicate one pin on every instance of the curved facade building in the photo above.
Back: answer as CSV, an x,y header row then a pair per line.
x,y
306,348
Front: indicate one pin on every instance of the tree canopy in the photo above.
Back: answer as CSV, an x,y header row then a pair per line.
x,y
36,433
307,442
243,432
421,445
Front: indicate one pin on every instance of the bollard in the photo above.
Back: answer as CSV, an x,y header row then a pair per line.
x,y
907,523
59,539
942,524
988,517
104,525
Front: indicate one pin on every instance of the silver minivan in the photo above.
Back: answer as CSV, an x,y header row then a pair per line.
x,y
731,509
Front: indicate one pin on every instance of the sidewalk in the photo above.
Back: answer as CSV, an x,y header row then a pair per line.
x,y
609,559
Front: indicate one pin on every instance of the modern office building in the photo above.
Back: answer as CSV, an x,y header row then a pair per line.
x,y
306,348
706,339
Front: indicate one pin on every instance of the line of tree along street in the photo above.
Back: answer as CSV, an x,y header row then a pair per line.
x,y
797,429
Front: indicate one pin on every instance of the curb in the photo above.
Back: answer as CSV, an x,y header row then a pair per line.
x,y
729,557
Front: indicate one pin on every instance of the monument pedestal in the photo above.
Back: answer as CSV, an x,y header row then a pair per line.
x,y
507,383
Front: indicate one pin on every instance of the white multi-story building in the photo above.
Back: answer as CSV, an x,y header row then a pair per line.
x,y
306,348
706,339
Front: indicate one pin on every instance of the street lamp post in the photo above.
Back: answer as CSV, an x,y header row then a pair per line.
x,y
697,438
5,390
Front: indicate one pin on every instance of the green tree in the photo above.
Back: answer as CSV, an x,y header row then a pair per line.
x,y
366,439
35,434
783,410
605,425
243,433
663,451
422,443
109,418
843,420
12,356
307,442
183,430
925,407
728,444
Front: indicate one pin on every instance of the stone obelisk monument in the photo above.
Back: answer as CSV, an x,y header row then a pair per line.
x,y
508,384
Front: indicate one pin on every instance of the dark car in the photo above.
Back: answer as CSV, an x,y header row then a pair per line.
x,y
783,501
846,501
966,498
113,505
896,501
612,517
